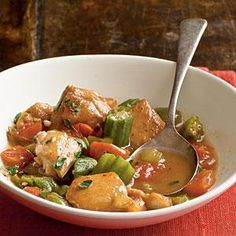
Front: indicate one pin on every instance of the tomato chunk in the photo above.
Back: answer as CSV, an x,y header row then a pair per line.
x,y
206,157
201,183
16,156
28,131
82,129
96,149
33,190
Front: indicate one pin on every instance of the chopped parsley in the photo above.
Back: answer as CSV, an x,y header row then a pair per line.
x,y
43,194
67,123
85,184
77,154
57,106
13,170
83,143
59,163
17,117
72,106
173,182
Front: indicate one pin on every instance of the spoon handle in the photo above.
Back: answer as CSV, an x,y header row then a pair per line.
x,y
191,31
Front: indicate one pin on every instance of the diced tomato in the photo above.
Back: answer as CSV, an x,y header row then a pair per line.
x,y
82,129
28,131
33,190
96,149
201,183
17,156
206,157
147,171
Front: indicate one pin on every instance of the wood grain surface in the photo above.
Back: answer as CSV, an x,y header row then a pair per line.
x,y
140,27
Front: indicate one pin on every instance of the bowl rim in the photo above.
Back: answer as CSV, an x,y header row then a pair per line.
x,y
193,204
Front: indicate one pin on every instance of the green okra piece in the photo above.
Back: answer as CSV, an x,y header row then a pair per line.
x,y
192,129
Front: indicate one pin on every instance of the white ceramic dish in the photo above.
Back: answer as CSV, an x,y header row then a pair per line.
x,y
122,77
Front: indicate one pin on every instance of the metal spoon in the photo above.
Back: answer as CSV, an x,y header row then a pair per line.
x,y
191,31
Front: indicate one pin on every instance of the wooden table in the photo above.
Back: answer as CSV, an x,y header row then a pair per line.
x,y
31,29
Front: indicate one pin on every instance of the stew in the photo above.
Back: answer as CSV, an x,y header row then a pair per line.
x,y
76,154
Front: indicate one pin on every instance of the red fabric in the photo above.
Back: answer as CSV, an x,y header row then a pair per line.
x,y
216,218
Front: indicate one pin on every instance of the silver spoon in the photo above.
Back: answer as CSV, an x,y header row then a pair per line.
x,y
191,31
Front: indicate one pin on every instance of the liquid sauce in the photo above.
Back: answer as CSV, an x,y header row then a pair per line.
x,y
170,173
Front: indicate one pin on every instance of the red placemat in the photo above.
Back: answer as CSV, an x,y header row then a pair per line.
x,y
218,218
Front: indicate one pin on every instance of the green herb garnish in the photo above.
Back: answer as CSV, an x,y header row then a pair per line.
x,y
13,170
73,107
57,106
129,103
77,154
43,194
173,182
83,143
85,184
67,123
59,163
17,117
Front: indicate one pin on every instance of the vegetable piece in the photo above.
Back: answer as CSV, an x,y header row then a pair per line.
x,y
163,113
174,182
33,190
179,199
206,157
15,179
54,197
45,183
97,139
118,127
28,131
16,156
62,190
200,184
59,163
17,117
67,123
111,163
83,166
192,129
12,170
85,184
72,106
98,148
150,155
83,142
82,129
129,103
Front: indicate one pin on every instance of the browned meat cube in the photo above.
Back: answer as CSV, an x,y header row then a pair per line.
x,y
146,124
103,192
81,105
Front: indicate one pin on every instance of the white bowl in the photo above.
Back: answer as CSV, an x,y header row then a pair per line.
x,y
122,77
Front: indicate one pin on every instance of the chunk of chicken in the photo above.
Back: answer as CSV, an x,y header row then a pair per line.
x,y
41,110
146,124
36,113
55,152
106,192
81,105
152,200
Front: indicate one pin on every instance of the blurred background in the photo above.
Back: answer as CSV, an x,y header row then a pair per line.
x,y
34,29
